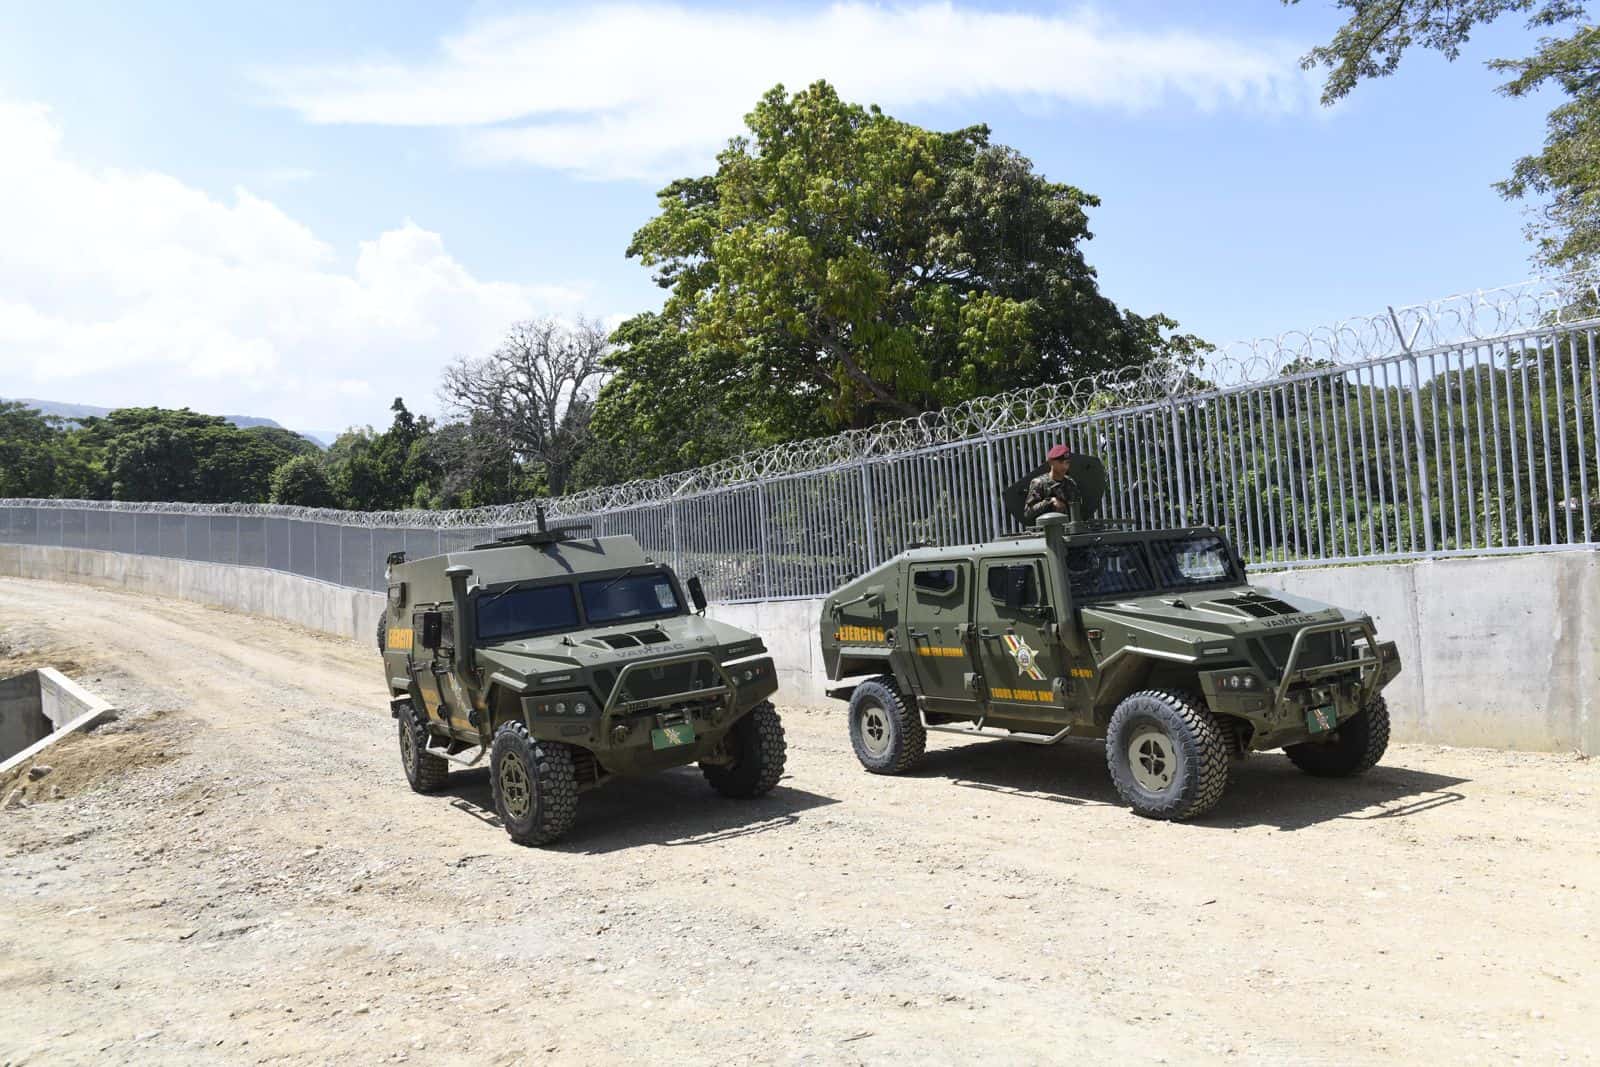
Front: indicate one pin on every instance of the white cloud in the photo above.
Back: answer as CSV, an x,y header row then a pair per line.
x,y
646,90
120,287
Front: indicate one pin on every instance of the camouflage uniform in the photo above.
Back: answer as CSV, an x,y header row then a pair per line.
x,y
1041,492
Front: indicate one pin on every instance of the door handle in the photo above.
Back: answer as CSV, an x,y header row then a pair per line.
x,y
988,634
917,635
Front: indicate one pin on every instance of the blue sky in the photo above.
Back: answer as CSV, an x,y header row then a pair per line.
x,y
300,210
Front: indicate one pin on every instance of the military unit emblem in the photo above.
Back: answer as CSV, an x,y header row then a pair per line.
x,y
1027,662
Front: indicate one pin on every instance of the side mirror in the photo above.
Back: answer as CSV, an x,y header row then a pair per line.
x,y
432,629
874,596
697,593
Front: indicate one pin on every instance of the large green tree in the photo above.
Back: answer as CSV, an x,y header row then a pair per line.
x,y
666,407
1565,175
303,480
39,456
842,267
164,454
392,470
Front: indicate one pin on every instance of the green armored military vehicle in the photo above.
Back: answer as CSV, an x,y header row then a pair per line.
x,y
570,660
1151,639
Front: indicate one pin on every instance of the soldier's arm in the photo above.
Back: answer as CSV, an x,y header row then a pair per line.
x,y
1036,503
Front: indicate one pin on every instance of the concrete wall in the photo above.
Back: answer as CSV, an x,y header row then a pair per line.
x,y
21,721
1501,651
331,609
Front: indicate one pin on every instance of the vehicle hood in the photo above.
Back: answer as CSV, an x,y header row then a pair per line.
x,y
1197,615
623,643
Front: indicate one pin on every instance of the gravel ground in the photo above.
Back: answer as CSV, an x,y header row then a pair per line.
x,y
239,874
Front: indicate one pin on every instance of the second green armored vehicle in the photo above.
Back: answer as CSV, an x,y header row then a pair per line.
x,y
570,660
1151,639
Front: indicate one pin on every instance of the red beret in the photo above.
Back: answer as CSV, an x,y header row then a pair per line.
x,y
1059,452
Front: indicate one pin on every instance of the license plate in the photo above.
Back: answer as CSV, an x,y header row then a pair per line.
x,y
672,736
1321,720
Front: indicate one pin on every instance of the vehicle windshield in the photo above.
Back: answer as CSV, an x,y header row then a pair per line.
x,y
631,596
1183,562
1122,568
1107,569
523,612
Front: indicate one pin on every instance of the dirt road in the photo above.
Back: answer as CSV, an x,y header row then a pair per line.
x,y
253,882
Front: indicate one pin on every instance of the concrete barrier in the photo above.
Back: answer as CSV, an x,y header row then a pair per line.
x,y
1500,651
39,708
320,606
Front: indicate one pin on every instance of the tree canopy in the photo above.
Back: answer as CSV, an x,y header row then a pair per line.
x,y
39,457
842,267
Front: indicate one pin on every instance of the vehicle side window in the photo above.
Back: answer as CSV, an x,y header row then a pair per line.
x,y
935,580
1003,579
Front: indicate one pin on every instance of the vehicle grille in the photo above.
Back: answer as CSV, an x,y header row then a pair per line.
x,y
650,683
1317,650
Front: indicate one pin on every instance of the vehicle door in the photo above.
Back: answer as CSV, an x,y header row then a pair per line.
x,y
938,622
1019,655
433,669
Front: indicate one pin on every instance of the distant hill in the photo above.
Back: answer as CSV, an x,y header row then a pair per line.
x,y
84,411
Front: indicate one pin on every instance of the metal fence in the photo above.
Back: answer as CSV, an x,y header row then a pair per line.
x,y
1355,443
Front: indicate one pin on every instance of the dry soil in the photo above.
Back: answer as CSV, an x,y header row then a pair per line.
x,y
251,881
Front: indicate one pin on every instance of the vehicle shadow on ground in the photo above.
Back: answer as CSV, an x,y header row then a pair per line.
x,y
1264,790
671,808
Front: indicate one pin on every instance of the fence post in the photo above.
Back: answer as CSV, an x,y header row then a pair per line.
x,y
1177,457
766,551
1416,423
995,521
672,534
866,514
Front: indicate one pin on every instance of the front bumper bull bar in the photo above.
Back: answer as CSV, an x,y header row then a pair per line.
x,y
1370,665
725,693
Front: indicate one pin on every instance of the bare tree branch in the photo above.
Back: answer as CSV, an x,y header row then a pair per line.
x,y
535,390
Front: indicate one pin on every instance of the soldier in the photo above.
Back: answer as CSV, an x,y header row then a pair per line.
x,y
1052,491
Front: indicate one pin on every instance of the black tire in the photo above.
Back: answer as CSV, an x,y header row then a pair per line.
x,y
383,634
534,784
1354,748
759,750
1181,753
885,730
425,771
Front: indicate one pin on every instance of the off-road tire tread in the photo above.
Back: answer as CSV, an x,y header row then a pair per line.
x,y
1335,761
432,771
552,777
762,728
913,736
383,634
1207,760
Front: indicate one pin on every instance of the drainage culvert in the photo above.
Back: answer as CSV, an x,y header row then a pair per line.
x,y
37,709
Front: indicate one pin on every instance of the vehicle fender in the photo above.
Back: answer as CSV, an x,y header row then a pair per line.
x,y
500,686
